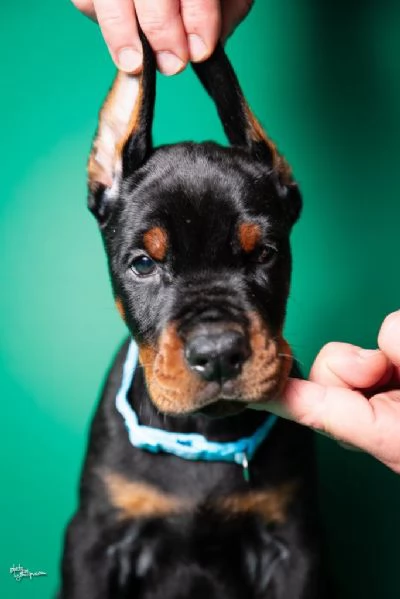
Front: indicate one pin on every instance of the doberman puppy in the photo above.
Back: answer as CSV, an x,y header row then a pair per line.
x,y
186,492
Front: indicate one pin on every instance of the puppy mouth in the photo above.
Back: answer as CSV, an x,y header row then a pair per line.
x,y
177,387
222,408
219,400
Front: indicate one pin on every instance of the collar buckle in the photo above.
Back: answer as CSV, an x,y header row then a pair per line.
x,y
245,468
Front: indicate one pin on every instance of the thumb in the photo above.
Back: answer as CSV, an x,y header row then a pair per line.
x,y
345,365
345,415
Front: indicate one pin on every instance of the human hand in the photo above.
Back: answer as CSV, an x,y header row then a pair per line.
x,y
178,30
354,395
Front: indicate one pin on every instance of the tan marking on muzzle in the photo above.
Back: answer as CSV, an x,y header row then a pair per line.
x,y
156,243
249,236
136,499
173,387
265,373
120,307
271,504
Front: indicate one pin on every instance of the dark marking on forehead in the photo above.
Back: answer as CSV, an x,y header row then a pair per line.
x,y
249,236
156,243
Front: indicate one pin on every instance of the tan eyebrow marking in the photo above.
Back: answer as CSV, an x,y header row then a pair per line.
x,y
249,236
156,243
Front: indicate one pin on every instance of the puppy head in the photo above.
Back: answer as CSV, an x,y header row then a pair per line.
x,y
197,239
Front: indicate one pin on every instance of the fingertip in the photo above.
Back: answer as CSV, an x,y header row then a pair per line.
x,y
202,23
198,50
357,369
129,60
389,336
332,362
169,63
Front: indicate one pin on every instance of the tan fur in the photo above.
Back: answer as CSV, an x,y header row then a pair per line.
x,y
141,500
265,373
172,385
156,243
118,120
258,134
175,389
272,504
249,236
120,307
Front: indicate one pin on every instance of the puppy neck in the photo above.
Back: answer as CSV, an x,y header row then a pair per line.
x,y
228,428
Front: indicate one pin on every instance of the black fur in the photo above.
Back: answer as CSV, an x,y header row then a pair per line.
x,y
198,194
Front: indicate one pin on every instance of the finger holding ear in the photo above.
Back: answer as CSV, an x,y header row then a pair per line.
x,y
162,24
202,22
86,7
117,21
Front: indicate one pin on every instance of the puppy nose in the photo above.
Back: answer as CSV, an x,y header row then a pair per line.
x,y
217,357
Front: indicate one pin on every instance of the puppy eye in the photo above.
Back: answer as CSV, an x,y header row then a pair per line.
x,y
266,255
143,266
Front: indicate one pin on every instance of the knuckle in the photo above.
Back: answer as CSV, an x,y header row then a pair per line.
x,y
329,350
153,23
111,19
85,6
201,12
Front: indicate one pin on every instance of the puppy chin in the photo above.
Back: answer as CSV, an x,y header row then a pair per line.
x,y
222,408
211,401
215,401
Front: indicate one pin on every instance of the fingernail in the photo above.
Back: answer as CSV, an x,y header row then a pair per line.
x,y
197,48
129,60
168,63
365,354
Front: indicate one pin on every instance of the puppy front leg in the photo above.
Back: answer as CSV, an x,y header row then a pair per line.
x,y
86,563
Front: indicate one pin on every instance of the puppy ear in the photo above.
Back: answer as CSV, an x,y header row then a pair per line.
x,y
241,126
123,139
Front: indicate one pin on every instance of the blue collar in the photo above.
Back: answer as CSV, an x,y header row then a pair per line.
x,y
189,446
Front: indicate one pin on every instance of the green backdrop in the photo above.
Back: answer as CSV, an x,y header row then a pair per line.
x,y
324,78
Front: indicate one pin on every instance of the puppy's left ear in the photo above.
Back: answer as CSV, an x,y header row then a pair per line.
x,y
123,139
242,127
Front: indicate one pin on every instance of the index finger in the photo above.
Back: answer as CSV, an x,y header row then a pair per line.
x,y
117,20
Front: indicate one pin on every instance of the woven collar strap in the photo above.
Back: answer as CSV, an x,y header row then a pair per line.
x,y
189,446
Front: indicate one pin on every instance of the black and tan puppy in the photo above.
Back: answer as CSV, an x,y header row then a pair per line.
x,y
186,492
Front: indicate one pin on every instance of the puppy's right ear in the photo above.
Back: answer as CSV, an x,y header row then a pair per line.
x,y
123,139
